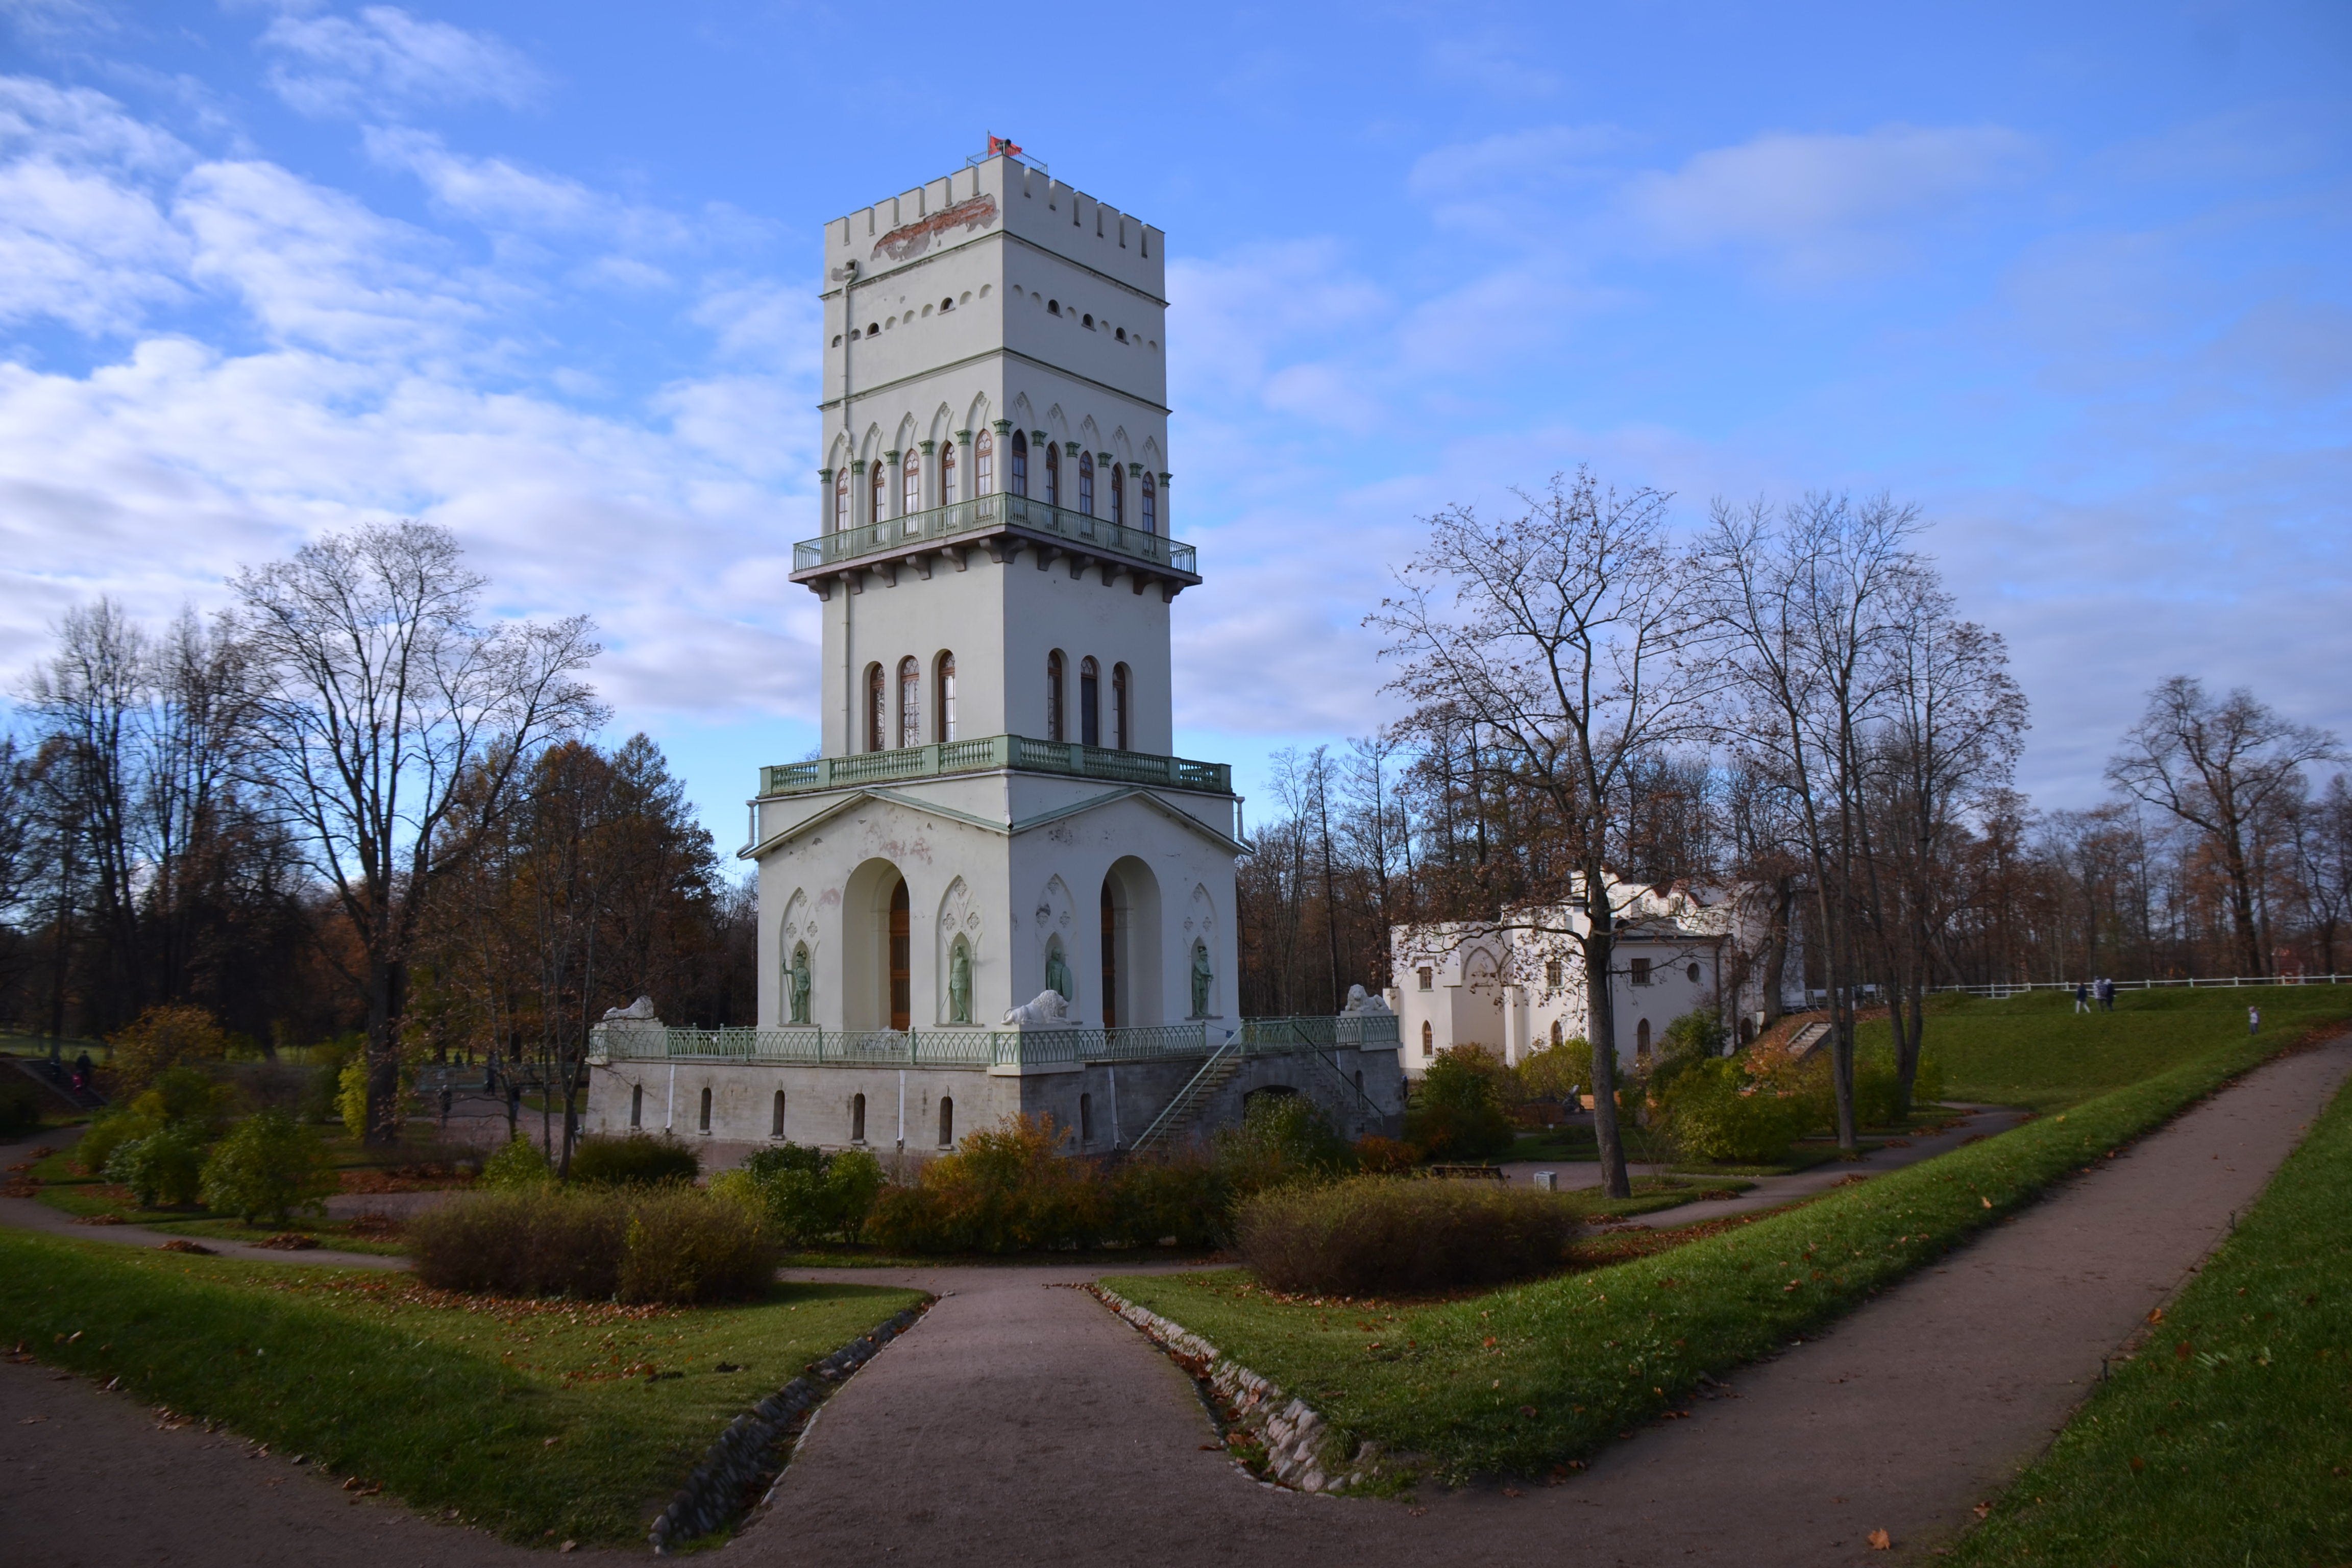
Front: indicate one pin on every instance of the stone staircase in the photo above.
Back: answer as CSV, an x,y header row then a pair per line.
x,y
1170,1125
1811,1038
59,1088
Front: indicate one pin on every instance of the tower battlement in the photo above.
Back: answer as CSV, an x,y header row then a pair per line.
x,y
998,196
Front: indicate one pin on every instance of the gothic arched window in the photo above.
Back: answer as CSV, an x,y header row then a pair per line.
x,y
1053,695
881,493
1120,685
947,1121
1053,474
1426,1041
1090,702
910,495
1118,495
911,702
947,474
1151,490
1020,464
776,1118
1086,483
944,701
983,465
876,726
841,499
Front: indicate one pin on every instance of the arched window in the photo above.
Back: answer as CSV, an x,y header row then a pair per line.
x,y
706,1110
776,1117
881,493
1109,957
1086,1119
1086,483
1020,464
1555,1033
983,465
637,1106
1427,1036
902,990
1089,701
1151,511
947,1121
1694,973
1118,700
1642,1040
947,474
876,723
1053,474
841,500
857,1119
1118,495
911,702
1053,695
911,494
944,701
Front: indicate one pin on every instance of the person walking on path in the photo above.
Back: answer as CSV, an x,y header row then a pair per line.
x,y
83,1072
2082,997
2253,1020
2107,995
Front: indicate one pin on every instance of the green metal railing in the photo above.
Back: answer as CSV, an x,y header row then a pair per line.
x,y
993,752
909,1048
1320,1029
985,514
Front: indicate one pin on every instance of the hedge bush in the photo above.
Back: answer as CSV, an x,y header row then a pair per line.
x,y
517,1165
673,1244
1714,1112
808,1195
636,1158
163,1169
1388,1235
1457,1111
1008,1189
267,1168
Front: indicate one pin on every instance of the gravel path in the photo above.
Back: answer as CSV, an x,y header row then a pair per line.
x,y
1022,1420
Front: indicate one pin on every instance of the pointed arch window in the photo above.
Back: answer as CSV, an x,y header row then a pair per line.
x,y
1120,686
910,493
1020,464
841,500
1053,474
947,474
1086,483
880,498
1149,493
943,699
1090,702
877,704
947,1121
983,465
911,702
902,989
1053,695
1117,496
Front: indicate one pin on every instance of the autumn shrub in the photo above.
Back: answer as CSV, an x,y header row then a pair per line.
x,y
158,1040
808,1195
1457,1111
1388,1235
1282,1138
633,1160
163,1169
1555,1072
518,1165
1715,1113
688,1246
1379,1156
1187,1197
1008,1189
20,1108
267,1168
664,1244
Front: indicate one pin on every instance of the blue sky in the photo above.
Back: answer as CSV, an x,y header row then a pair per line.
x,y
2073,278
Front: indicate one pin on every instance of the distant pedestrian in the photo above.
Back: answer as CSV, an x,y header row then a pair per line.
x,y
2253,1020
2082,997
84,1070
2107,995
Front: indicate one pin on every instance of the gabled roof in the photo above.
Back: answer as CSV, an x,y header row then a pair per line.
x,y
1010,829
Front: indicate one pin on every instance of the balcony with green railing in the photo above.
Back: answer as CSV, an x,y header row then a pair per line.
x,y
990,753
970,521
977,1048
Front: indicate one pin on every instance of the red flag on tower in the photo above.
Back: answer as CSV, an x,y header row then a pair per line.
x,y
1004,146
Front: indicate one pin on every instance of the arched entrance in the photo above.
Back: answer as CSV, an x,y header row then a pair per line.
x,y
902,985
876,949
1129,932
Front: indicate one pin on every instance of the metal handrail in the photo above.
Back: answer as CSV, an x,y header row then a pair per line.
x,y
1172,1114
904,1047
987,513
993,751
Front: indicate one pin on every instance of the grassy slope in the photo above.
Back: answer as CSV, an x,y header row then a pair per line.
x,y
2238,1449
449,1402
1521,1379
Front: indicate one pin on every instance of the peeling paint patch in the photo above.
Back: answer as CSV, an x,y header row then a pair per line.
x,y
911,240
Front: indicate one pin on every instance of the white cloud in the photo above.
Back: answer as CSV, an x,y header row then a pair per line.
x,y
82,249
386,58
76,126
1239,310
1819,206
489,191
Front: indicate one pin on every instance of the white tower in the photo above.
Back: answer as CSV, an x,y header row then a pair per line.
x,y
995,813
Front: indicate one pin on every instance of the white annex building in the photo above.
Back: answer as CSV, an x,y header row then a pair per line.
x,y
1518,985
995,890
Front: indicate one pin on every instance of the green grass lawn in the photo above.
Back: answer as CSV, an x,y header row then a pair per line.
x,y
65,1187
2033,1049
530,1418
1517,1382
2228,1438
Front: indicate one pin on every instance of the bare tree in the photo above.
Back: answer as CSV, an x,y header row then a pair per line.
x,y
379,698
2323,844
1551,639
2219,766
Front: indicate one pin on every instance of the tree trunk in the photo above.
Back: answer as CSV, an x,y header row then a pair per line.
x,y
1601,1023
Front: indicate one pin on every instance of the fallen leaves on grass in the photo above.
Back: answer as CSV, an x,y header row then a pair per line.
x,y
290,1241
100,1219
1880,1541
182,1244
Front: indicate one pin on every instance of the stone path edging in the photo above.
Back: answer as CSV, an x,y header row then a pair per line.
x,y
713,1495
1302,1451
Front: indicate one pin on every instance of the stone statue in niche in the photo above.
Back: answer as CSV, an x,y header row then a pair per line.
x,y
1057,970
799,984
960,981
1203,977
